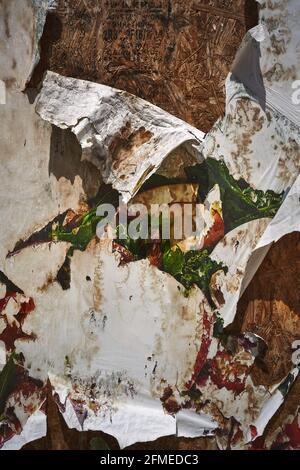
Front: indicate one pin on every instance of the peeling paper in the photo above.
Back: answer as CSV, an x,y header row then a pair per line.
x,y
22,24
125,137
125,350
37,178
287,219
191,425
271,406
113,314
41,8
258,117
235,249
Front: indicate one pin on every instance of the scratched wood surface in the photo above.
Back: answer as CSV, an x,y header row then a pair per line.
x,y
173,53
176,54
270,308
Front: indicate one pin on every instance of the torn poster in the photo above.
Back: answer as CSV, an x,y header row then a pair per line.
x,y
22,25
132,332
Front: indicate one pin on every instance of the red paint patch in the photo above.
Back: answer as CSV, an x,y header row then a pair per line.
x,y
253,431
154,255
13,332
203,352
293,432
25,386
227,372
125,255
216,232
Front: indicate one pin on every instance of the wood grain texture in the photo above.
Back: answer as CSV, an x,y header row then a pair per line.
x,y
270,308
172,53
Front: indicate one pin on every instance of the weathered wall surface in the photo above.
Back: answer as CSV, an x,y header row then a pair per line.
x,y
176,55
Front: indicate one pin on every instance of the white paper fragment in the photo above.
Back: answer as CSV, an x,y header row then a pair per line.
x,y
270,407
70,416
287,219
234,251
191,424
130,349
136,423
35,428
2,348
125,137
2,291
41,261
22,25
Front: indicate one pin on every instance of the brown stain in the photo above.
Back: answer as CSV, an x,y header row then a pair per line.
x,y
10,83
187,313
249,120
169,402
292,149
6,24
47,283
278,72
280,38
278,45
218,294
126,142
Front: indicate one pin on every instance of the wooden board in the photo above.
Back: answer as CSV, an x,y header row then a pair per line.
x,y
172,53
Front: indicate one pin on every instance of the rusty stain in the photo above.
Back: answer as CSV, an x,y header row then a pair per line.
x,y
125,142
49,281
